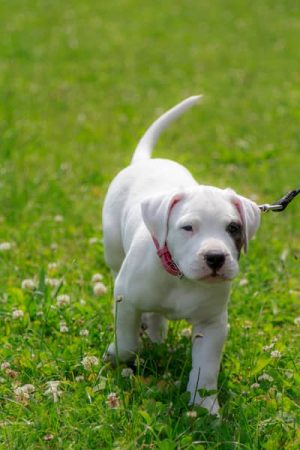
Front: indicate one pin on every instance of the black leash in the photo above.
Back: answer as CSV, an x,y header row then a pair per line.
x,y
282,203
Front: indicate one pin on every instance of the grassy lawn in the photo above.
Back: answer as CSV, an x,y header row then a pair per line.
x,y
79,82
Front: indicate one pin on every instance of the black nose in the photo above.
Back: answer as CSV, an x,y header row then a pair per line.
x,y
215,260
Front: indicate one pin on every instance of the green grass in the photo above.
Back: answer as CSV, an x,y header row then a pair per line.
x,y
79,82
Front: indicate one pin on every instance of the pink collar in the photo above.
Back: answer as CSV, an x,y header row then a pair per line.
x,y
166,260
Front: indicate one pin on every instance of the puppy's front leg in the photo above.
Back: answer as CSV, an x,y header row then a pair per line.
x,y
208,341
127,320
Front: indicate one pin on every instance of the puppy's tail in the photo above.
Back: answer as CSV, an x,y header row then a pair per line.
x,y
146,144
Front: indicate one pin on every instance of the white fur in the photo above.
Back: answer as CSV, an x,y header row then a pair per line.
x,y
140,203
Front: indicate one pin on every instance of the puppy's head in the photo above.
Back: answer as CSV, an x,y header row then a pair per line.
x,y
205,229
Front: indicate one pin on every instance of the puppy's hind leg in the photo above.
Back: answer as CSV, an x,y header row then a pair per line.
x,y
112,239
155,326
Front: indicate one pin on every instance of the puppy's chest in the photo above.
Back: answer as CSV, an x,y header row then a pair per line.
x,y
192,304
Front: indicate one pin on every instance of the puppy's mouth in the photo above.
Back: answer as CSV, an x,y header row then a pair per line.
x,y
215,277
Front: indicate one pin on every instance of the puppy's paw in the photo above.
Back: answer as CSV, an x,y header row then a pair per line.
x,y
114,355
210,403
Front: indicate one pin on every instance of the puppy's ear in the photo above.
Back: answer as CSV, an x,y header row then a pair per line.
x,y
249,213
156,211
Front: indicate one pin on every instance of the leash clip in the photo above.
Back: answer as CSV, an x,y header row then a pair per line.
x,y
281,204
267,208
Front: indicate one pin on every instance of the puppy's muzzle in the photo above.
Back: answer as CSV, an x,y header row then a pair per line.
x,y
215,260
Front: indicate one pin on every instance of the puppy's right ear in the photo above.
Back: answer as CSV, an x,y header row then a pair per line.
x,y
156,211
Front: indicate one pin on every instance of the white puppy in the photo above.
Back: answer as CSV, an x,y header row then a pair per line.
x,y
173,247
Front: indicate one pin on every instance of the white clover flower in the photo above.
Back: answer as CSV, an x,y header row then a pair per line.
x,y
63,299
79,378
94,240
52,266
113,401
39,314
254,385
84,332
267,348
65,166
63,328
97,277
89,361
99,289
53,390
191,414
52,282
28,284
54,246
81,117
22,393
265,377
166,376
284,255
21,396
82,302
243,282
48,437
186,332
297,321
58,218
5,246
127,372
139,361
29,388
276,354
247,325
17,314
11,373
5,365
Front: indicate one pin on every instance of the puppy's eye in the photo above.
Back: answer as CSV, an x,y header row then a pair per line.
x,y
234,228
187,228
